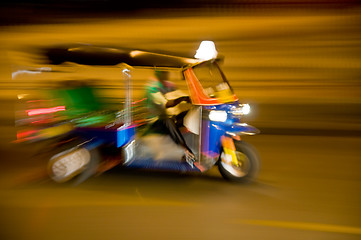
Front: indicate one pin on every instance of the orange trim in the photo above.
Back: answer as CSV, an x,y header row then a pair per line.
x,y
229,149
198,96
228,143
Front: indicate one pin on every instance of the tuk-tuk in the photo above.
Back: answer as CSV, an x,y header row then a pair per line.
x,y
212,125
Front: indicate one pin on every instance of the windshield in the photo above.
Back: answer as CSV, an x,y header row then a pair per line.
x,y
212,79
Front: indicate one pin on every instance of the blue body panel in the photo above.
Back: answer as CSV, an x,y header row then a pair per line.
x,y
93,144
125,134
211,139
212,131
117,136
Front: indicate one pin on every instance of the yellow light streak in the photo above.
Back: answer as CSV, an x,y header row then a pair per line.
x,y
304,226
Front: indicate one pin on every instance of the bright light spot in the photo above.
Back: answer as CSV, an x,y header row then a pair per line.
x,y
73,49
39,111
246,109
243,109
36,71
218,116
126,72
207,50
21,96
16,73
135,53
45,69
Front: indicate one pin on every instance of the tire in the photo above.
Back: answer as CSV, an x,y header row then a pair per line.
x,y
91,168
88,162
250,164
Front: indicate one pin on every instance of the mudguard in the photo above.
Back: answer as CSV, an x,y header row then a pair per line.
x,y
241,129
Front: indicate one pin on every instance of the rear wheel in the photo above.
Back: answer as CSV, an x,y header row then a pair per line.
x,y
247,166
76,164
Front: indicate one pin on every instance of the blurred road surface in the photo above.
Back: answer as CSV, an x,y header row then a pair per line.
x,y
308,188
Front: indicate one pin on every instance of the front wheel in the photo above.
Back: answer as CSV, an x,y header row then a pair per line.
x,y
247,167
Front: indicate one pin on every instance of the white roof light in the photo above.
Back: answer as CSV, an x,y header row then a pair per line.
x,y
207,50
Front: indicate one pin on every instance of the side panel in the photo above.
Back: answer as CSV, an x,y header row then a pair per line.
x,y
211,139
124,135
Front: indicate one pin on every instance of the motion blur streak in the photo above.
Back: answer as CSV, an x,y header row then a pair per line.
x,y
306,226
39,111
298,65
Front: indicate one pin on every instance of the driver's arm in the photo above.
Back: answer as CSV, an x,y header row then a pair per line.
x,y
159,99
174,102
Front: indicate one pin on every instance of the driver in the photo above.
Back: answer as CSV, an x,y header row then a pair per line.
x,y
166,110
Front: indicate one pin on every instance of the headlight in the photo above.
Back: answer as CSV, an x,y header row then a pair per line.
x,y
218,116
243,109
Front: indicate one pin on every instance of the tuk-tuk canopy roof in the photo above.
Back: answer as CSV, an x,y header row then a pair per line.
x,y
105,56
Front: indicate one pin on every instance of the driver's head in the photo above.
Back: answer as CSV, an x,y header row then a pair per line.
x,y
162,75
